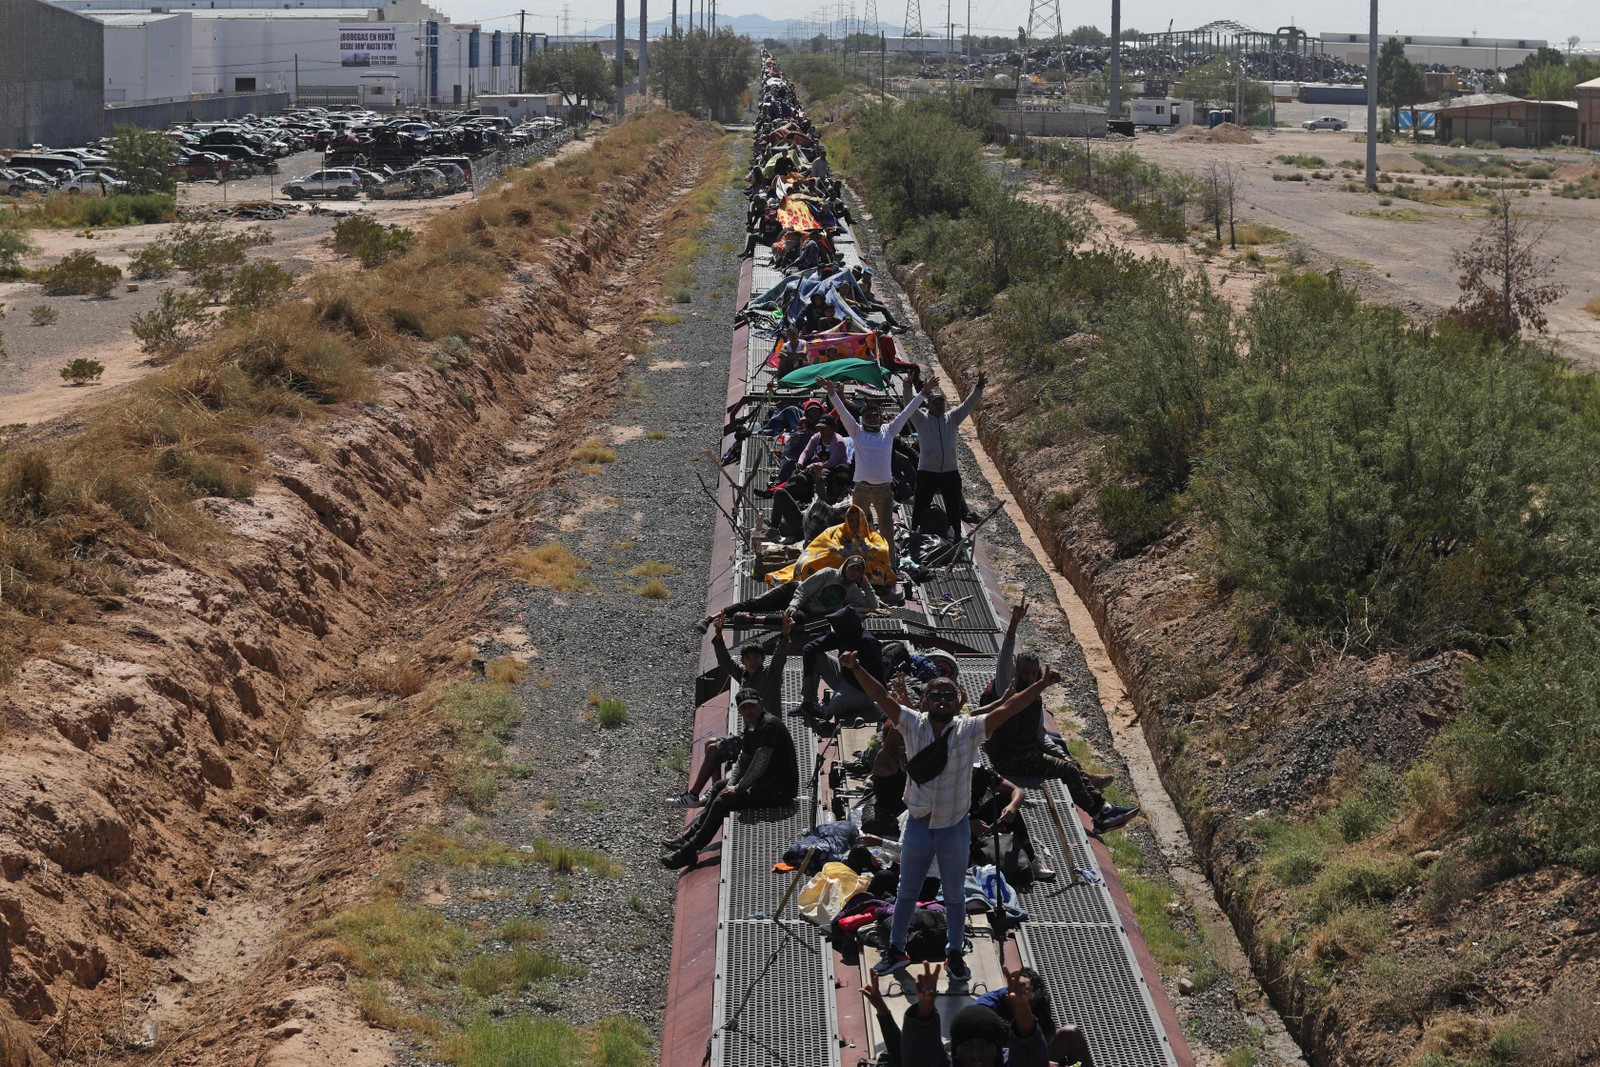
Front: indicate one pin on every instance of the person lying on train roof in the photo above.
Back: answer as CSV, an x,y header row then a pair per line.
x,y
803,508
821,593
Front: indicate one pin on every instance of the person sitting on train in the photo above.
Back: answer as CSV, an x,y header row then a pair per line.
x,y
1022,749
765,775
979,1037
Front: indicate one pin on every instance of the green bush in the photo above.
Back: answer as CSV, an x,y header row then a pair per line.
x,y
1357,879
172,325
14,244
144,158
1530,730
1131,518
918,162
258,285
82,371
207,246
152,261
369,241
43,315
80,274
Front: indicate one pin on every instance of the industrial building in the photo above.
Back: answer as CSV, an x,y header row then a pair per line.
x,y
1589,114
53,63
318,51
1478,53
1508,121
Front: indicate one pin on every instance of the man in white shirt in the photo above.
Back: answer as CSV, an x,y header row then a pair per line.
x,y
874,447
938,808
938,456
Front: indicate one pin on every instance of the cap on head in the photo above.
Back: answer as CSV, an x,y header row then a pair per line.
x,y
747,696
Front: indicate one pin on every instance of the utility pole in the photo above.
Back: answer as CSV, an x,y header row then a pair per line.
x,y
297,77
674,18
1372,97
1115,110
644,49
522,37
621,66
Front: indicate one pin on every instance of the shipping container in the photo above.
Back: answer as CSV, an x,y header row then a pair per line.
x,y
1333,94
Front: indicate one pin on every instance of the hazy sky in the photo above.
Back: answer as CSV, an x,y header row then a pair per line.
x,y
1553,20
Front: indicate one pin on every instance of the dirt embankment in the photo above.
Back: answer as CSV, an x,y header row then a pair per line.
x,y
155,740
1239,734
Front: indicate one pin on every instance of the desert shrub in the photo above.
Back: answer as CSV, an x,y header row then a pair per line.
x,y
1158,384
1530,728
369,241
258,285
202,475
80,274
1131,518
1356,879
43,315
154,260
1393,485
84,212
174,324
14,244
611,712
207,246
26,482
82,371
918,161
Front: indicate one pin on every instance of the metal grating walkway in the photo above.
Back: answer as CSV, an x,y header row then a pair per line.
x,y
775,1000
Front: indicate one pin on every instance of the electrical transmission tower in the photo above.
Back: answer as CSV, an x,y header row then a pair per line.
x,y
869,18
913,27
1043,17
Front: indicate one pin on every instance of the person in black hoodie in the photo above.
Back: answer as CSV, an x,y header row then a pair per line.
x,y
767,775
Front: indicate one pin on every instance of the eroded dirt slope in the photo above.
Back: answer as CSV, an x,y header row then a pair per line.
x,y
191,767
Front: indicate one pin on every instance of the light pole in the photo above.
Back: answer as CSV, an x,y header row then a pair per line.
x,y
1116,59
1372,97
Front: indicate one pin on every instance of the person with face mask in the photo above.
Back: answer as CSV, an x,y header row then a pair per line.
x,y
941,747
874,447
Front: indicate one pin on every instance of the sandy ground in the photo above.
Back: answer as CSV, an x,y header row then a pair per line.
x,y
31,388
1403,249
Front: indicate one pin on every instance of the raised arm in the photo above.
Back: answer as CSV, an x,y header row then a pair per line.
x,y
996,715
871,686
962,409
837,400
1005,670
894,427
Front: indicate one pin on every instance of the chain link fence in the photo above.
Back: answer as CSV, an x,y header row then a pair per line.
x,y
491,166
1158,200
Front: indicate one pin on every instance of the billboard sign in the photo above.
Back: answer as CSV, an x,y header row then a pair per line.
x,y
370,44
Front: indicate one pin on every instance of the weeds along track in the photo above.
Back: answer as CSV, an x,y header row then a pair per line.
x,y
195,755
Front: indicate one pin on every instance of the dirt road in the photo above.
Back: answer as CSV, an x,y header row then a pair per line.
x,y
1400,250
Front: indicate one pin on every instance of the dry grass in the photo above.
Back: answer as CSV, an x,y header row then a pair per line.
x,y
553,567
652,568
655,435
397,679
654,589
1593,307
120,486
506,670
593,451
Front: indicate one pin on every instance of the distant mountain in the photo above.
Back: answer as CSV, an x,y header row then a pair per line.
x,y
754,26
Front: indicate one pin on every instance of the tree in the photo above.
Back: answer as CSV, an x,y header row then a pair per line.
x,y
703,71
1400,82
581,75
1219,200
1223,83
1505,279
1089,35
144,159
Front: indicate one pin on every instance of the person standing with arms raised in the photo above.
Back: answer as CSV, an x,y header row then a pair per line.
x,y
941,747
874,448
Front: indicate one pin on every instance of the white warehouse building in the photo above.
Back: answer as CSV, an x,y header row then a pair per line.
x,y
320,52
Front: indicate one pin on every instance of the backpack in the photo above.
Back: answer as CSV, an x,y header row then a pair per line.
x,y
925,937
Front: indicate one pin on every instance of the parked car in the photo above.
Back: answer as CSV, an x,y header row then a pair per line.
x,y
413,181
344,184
259,163
1324,122
18,182
457,170
205,165
370,178
99,182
